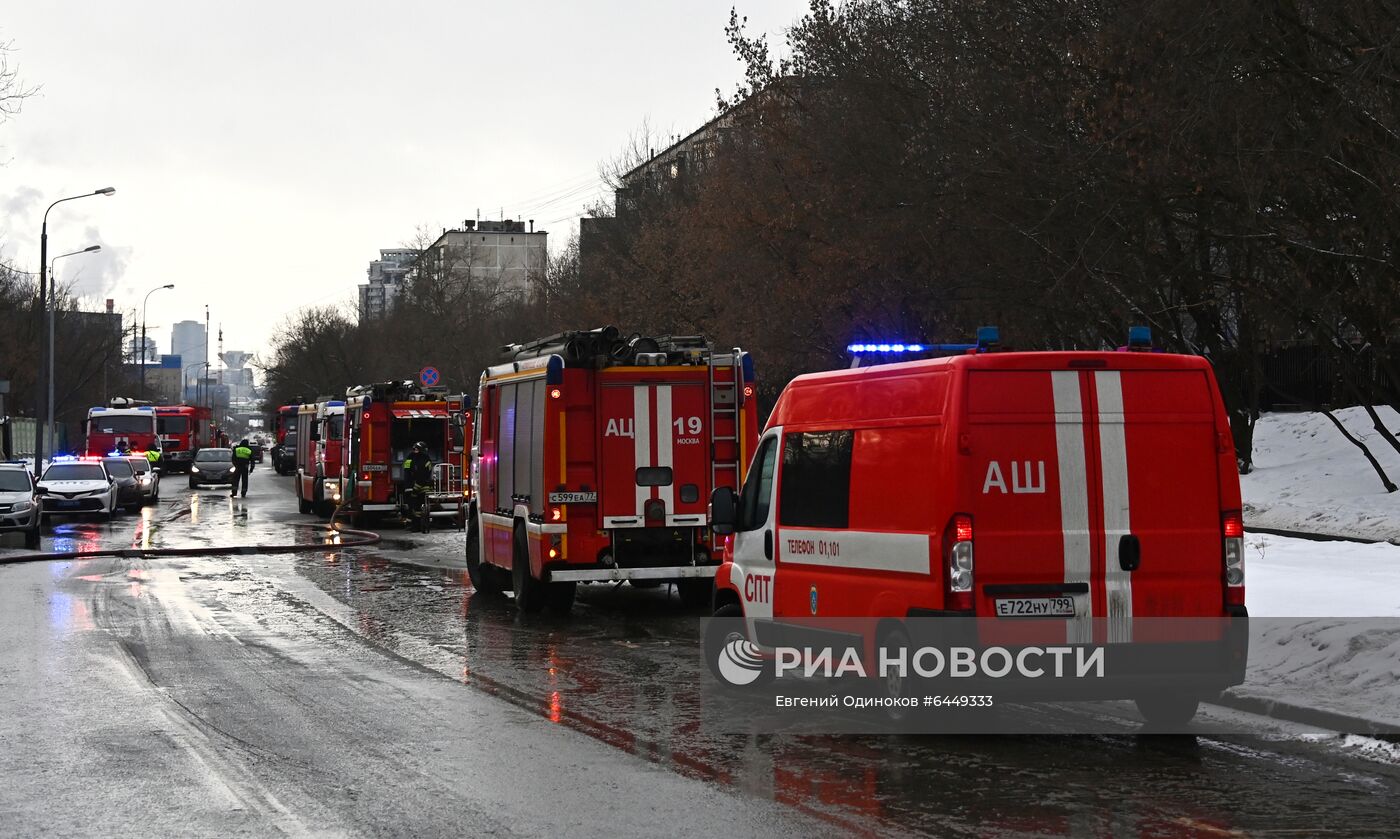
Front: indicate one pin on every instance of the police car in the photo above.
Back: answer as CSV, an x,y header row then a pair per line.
x,y
78,485
19,505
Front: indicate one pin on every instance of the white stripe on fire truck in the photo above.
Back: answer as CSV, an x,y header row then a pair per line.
x,y
1074,498
664,442
641,439
1117,523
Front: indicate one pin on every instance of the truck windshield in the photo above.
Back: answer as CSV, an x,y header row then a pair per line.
x,y
173,425
335,427
103,424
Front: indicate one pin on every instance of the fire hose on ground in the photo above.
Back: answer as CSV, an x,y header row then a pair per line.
x,y
358,539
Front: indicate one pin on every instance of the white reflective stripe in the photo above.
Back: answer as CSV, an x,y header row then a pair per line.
x,y
1117,523
641,440
1074,499
907,553
664,441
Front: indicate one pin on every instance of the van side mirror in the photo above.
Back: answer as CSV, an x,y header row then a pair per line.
x,y
724,510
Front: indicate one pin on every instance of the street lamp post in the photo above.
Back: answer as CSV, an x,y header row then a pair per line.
x,y
43,264
53,313
143,335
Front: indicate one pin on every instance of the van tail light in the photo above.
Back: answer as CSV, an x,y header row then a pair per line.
x,y
958,570
1232,525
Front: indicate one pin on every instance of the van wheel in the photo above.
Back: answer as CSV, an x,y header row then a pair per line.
x,y
893,685
696,593
725,628
483,580
1167,710
529,594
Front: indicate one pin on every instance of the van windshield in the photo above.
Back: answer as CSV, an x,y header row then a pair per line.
x,y
102,424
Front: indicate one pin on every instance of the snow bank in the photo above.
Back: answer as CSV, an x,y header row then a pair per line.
x,y
1324,626
1308,477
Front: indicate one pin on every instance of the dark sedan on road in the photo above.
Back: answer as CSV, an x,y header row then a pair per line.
x,y
212,466
130,490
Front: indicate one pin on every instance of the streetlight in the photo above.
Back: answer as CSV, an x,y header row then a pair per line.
x,y
143,335
43,305
53,312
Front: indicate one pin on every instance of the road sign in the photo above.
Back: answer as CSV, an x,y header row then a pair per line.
x,y
429,376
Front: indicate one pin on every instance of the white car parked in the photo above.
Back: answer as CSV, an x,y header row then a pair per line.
x,y
19,507
74,486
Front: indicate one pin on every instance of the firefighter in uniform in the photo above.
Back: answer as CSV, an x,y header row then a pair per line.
x,y
242,465
417,481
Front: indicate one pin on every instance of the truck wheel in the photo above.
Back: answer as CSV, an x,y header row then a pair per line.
x,y
303,506
1167,709
483,580
724,629
529,594
696,593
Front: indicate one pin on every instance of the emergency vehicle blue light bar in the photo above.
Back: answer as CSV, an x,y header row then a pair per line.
x,y
886,348
1139,336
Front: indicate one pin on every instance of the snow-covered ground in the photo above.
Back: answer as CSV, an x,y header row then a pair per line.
x,y
1325,616
1308,477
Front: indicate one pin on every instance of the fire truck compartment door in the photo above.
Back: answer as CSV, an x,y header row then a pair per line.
x,y
655,445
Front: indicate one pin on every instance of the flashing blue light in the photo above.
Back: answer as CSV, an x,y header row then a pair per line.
x,y
64,458
1139,336
885,348
988,335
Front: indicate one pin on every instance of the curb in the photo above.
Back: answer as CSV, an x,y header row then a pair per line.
x,y
1330,720
360,538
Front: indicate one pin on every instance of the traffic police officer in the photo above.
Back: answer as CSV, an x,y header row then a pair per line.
x,y
242,465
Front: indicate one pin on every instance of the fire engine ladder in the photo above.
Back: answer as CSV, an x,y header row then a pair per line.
x,y
726,377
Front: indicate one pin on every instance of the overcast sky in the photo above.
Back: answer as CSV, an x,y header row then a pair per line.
x,y
263,152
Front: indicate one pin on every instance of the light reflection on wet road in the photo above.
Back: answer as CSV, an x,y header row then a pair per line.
x,y
621,670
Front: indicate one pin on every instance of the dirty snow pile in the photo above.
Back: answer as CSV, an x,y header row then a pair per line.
x,y
1308,477
1324,625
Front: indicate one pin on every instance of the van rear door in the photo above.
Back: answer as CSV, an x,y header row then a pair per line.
x,y
1095,494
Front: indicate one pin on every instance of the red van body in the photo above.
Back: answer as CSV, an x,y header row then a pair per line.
x,y
1097,487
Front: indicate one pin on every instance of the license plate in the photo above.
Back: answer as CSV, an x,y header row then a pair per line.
x,y
65,505
573,498
1035,607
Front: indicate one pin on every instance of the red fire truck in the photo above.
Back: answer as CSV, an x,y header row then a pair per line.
x,y
320,433
123,425
1094,491
284,426
383,421
593,460
184,430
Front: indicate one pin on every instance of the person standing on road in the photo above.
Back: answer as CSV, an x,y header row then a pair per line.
x,y
417,479
242,465
153,457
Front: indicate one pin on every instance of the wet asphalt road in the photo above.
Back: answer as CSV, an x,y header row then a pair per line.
x,y
348,692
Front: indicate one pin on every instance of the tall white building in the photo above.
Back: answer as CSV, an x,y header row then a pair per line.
x,y
187,340
386,277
